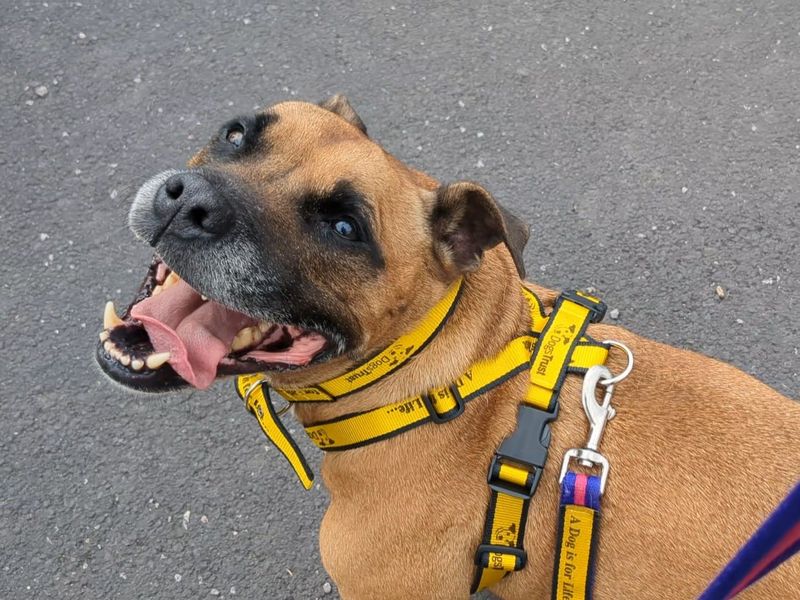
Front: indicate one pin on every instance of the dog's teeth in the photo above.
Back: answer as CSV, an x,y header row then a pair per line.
x,y
125,359
110,318
115,352
203,297
171,279
242,340
157,290
255,334
137,364
156,360
104,335
263,327
107,346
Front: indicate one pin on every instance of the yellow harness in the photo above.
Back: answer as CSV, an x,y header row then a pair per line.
x,y
556,344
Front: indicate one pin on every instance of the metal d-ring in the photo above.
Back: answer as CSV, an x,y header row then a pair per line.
x,y
628,368
262,383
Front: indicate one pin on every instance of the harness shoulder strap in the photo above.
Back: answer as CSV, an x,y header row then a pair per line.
x,y
255,393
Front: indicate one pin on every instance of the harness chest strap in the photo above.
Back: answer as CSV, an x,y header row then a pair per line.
x,y
579,512
517,466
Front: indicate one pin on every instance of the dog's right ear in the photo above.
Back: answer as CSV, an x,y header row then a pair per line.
x,y
466,221
340,105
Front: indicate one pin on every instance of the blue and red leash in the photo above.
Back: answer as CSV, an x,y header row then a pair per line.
x,y
773,543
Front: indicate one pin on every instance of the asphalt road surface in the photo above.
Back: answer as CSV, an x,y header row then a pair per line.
x,y
652,145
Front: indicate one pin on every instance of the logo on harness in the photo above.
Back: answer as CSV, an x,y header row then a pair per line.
x,y
321,438
397,353
506,535
563,335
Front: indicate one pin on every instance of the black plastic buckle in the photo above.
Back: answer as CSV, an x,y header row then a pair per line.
x,y
527,447
482,555
450,414
597,308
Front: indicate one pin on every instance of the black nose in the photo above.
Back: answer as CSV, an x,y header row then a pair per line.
x,y
189,206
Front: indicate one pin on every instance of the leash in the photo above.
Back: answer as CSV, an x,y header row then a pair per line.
x,y
579,507
775,542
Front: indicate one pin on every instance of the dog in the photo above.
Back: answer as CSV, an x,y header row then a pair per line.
x,y
294,245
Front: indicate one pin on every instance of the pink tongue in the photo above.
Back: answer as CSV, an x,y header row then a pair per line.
x,y
198,334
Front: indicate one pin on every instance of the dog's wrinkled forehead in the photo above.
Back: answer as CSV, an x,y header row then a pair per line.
x,y
296,143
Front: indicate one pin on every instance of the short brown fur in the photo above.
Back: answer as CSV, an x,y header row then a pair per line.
x,y
700,451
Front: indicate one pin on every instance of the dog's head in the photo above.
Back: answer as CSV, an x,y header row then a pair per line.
x,y
292,244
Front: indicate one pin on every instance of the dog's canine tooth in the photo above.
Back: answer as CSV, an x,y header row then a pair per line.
x,y
157,290
110,318
154,361
171,280
137,364
104,335
203,297
125,359
242,340
263,327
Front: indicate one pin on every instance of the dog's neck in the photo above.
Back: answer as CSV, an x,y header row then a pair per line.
x,y
490,312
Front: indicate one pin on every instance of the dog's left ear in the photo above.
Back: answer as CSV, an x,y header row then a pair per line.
x,y
466,221
340,105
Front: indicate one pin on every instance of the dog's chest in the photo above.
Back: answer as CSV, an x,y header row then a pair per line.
x,y
394,550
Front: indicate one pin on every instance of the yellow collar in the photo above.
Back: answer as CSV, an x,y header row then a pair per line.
x,y
385,362
438,405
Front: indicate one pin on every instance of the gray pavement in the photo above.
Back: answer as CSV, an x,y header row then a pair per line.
x,y
653,146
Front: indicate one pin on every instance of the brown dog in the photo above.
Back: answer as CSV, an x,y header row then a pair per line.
x,y
315,249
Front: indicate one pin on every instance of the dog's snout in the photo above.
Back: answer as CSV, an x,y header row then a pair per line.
x,y
188,206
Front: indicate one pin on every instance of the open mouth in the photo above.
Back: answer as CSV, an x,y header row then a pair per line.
x,y
171,335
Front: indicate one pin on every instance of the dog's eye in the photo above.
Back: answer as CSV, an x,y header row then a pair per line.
x,y
345,228
235,136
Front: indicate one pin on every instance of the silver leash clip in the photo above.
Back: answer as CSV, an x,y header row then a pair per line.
x,y
598,414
